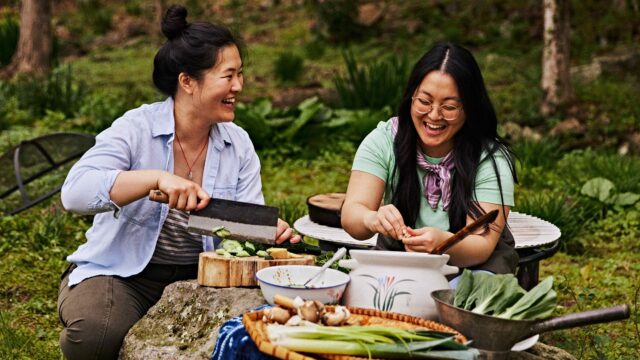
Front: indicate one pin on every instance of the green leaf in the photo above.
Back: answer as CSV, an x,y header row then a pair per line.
x,y
464,288
529,299
625,199
599,188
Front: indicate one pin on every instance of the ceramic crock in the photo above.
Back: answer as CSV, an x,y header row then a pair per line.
x,y
396,281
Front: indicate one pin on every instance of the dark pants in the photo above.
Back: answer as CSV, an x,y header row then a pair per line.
x,y
98,312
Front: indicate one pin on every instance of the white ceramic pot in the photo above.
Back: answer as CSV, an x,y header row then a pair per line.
x,y
396,281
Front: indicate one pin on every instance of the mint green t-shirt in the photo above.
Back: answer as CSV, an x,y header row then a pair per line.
x,y
375,156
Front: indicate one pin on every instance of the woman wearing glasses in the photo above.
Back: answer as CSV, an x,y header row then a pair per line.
x,y
421,176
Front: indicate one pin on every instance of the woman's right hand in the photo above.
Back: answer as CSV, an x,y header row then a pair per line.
x,y
183,194
386,221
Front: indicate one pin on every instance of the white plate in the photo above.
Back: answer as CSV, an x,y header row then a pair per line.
x,y
526,343
305,226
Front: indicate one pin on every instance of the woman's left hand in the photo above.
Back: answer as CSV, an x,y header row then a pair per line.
x,y
286,233
424,239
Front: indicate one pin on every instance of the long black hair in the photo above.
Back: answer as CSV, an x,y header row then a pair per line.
x,y
190,48
477,135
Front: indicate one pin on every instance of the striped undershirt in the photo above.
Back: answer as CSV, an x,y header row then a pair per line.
x,y
177,246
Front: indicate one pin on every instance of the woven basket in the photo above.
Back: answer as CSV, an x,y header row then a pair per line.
x,y
258,331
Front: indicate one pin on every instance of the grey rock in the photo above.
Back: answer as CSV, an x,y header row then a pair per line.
x,y
541,351
184,324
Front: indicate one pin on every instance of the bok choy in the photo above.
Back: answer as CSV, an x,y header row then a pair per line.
x,y
501,296
370,341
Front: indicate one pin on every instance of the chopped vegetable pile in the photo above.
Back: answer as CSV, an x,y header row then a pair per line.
x,y
230,248
501,296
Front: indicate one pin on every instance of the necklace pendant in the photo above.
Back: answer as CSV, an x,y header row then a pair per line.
x,y
190,175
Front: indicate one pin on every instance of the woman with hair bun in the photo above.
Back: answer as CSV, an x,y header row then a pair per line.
x,y
185,146
421,176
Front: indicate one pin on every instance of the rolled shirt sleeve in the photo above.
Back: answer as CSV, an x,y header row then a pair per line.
x,y
87,186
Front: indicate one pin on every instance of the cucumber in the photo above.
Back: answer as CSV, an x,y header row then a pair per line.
x,y
221,251
242,253
249,247
262,253
232,246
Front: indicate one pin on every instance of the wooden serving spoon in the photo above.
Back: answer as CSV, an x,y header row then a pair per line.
x,y
487,218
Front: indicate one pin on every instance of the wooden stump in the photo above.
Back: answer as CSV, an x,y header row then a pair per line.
x,y
220,271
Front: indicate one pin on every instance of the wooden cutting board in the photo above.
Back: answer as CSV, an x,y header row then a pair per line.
x,y
219,271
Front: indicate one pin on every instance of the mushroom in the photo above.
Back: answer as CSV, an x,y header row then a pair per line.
x,y
339,316
311,310
276,314
295,320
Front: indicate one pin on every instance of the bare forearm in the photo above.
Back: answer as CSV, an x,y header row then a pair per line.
x,y
133,185
473,250
352,217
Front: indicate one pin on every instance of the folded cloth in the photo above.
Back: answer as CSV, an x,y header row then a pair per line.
x,y
234,342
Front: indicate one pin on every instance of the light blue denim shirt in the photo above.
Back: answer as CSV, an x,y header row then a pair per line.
x,y
122,240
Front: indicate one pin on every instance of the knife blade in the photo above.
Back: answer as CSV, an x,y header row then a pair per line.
x,y
465,231
245,221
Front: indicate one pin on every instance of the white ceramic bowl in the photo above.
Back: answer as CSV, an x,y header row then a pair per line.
x,y
327,288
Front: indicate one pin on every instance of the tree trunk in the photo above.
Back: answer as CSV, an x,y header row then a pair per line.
x,y
556,80
159,15
33,54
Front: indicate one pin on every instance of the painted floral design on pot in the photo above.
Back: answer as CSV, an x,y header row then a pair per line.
x,y
385,290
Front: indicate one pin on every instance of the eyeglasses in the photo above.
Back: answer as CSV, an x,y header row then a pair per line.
x,y
447,111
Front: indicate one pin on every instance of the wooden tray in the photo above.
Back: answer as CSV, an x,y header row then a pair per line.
x,y
219,271
257,330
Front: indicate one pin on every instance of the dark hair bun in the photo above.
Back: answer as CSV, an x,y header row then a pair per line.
x,y
174,21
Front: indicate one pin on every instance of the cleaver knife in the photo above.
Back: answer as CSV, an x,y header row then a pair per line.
x,y
245,221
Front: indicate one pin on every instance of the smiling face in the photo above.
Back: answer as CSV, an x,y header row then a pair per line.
x,y
436,134
214,95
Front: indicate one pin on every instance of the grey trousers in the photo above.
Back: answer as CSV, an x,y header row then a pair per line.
x,y
98,312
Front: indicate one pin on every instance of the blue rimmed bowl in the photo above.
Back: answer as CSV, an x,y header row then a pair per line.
x,y
287,280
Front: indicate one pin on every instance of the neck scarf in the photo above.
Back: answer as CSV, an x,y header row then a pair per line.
x,y
438,176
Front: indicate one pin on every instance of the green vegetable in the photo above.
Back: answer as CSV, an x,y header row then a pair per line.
x,y
221,252
262,253
221,232
370,341
249,247
501,296
504,292
537,303
465,285
232,246
243,253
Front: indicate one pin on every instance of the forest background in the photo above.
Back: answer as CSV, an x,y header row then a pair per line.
x,y
319,76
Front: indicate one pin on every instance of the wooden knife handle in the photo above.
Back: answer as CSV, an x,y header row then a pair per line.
x,y
158,196
465,231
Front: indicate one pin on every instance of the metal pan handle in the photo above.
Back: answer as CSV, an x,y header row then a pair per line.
x,y
598,316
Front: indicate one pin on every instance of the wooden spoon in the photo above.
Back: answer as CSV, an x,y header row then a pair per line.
x,y
465,231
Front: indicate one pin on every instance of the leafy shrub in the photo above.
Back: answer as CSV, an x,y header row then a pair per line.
x,y
9,33
98,111
95,14
58,91
337,20
530,153
373,86
288,67
558,208
579,166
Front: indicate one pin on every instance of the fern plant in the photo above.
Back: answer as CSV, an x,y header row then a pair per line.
x,y
375,85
